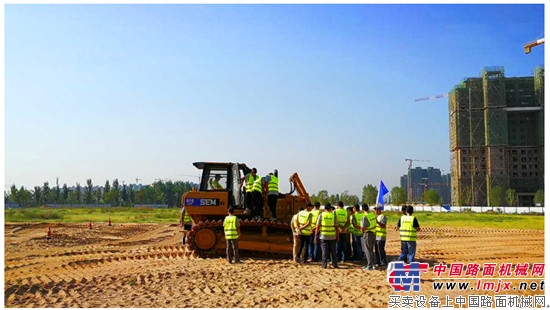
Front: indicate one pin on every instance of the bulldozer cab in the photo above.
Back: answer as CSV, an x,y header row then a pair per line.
x,y
223,177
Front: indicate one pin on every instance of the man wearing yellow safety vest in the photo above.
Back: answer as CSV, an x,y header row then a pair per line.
x,y
271,190
295,235
315,247
232,230
343,246
356,218
408,229
253,189
380,237
215,183
368,226
327,228
303,222
186,222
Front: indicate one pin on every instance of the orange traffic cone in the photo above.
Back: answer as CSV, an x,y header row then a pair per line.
x,y
49,234
109,221
90,225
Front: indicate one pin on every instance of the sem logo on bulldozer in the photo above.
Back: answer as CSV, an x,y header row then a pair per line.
x,y
198,202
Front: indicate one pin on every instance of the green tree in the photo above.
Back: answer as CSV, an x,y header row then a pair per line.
x,y
349,200
131,194
13,193
115,189
146,195
57,192
88,191
511,197
46,193
38,196
97,196
72,198
398,196
21,196
332,199
322,197
369,194
539,197
496,196
432,197
313,198
106,188
124,195
78,194
65,193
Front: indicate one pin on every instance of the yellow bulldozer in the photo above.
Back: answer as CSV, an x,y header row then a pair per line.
x,y
208,206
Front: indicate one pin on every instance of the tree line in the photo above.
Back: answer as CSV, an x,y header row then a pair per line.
x,y
398,196
170,193
159,192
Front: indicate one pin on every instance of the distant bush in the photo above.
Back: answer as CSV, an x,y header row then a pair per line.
x,y
33,215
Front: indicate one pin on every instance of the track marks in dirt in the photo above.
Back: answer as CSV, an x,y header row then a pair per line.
x,y
145,266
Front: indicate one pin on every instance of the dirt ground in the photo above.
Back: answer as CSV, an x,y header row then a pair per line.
x,y
144,265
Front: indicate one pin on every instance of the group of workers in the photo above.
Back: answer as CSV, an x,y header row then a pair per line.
x,y
349,234
341,234
257,189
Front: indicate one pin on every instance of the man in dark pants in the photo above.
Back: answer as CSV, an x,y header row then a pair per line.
x,y
380,232
249,198
343,244
303,222
271,192
327,228
404,251
314,244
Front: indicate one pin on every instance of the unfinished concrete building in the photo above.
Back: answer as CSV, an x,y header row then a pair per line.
x,y
497,137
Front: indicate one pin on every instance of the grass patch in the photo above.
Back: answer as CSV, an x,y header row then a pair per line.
x,y
171,215
78,215
473,220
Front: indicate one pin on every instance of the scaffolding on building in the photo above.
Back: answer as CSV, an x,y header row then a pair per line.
x,y
496,131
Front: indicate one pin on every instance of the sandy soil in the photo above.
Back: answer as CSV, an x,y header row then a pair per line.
x,y
144,265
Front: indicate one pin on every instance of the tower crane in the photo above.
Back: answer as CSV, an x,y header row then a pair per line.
x,y
409,181
431,97
532,44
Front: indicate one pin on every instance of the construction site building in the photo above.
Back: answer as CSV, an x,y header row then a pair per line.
x,y
423,180
497,137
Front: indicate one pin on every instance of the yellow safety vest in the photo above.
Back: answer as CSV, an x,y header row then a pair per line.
x,y
342,217
257,186
327,224
302,220
314,217
407,232
230,227
358,218
216,185
380,232
273,185
371,217
187,218
250,183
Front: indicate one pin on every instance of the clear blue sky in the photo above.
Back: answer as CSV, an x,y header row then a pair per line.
x,y
143,91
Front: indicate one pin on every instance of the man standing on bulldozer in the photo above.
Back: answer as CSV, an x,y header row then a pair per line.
x,y
271,192
249,201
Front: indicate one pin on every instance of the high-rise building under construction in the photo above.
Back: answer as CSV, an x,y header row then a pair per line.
x,y
497,137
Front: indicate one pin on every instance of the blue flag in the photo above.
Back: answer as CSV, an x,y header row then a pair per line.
x,y
381,192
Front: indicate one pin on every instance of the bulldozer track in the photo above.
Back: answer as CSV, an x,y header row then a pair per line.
x,y
217,226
